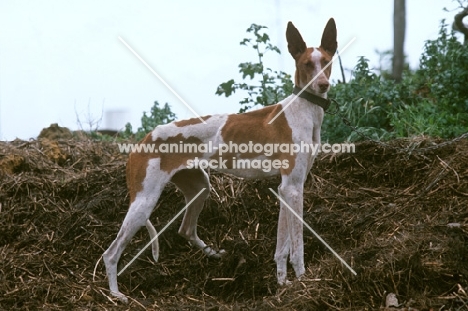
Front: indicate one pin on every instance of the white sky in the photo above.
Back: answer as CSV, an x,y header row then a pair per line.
x,y
62,61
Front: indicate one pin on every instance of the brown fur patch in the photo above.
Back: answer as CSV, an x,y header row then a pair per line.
x,y
138,162
253,126
190,121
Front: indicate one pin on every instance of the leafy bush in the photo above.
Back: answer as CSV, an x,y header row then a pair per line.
x,y
273,85
157,116
443,80
366,102
432,101
419,119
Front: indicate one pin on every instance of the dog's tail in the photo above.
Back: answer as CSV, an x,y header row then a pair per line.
x,y
155,245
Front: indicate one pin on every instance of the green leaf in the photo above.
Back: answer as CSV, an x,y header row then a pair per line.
x,y
226,88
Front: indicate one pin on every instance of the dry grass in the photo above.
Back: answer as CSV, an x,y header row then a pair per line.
x,y
400,219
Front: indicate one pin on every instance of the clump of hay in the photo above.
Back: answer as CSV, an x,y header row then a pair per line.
x,y
399,218
55,132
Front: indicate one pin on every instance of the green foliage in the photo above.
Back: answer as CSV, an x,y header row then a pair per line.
x,y
442,82
157,116
367,102
420,119
444,67
272,85
432,101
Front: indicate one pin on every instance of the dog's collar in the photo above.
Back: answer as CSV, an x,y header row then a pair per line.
x,y
320,101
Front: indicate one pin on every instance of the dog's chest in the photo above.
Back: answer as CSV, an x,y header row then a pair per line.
x,y
304,118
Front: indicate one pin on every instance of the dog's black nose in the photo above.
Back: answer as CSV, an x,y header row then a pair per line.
x,y
323,86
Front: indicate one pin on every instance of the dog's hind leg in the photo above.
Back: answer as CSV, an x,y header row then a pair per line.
x,y
137,216
191,182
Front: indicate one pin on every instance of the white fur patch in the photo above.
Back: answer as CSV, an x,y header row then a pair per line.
x,y
315,57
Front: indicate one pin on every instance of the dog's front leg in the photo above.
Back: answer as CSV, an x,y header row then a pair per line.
x,y
283,244
292,194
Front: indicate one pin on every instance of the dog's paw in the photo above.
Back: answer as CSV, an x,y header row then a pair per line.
x,y
214,254
219,254
281,277
285,283
121,297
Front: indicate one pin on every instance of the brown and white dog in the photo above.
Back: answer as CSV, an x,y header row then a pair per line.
x,y
149,172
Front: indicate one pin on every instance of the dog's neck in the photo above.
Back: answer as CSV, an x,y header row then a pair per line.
x,y
314,99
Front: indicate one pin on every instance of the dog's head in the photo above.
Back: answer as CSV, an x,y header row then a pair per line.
x,y
311,61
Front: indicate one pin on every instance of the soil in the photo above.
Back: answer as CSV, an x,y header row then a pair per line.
x,y
397,213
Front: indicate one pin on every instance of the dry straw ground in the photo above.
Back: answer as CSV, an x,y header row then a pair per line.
x,y
399,218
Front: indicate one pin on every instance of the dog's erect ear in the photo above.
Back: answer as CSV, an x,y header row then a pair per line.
x,y
329,37
296,44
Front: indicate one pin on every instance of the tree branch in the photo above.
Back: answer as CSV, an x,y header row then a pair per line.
x,y
458,24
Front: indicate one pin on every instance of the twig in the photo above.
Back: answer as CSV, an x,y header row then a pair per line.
x,y
95,268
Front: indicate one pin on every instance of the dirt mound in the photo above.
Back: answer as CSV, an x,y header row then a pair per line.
x,y
55,132
400,218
